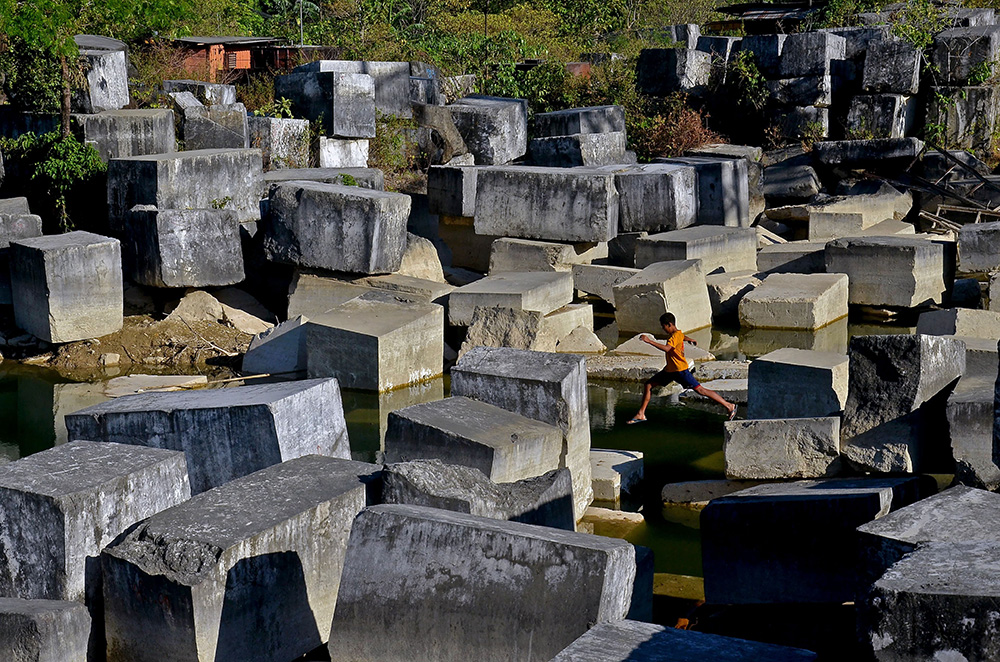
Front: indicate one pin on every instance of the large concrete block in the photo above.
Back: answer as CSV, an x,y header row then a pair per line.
x,y
793,257
344,101
578,149
248,570
725,249
979,247
814,91
538,291
43,630
503,445
723,189
118,133
634,641
891,66
964,322
60,507
656,196
795,301
726,290
678,287
14,226
104,84
936,603
67,287
895,383
523,255
861,153
283,141
451,190
557,204
793,542
890,271
545,500
371,178
544,386
206,93
595,119
970,431
811,54
526,329
783,448
183,247
225,433
202,179
820,382
615,472
376,345
340,228
343,152
966,116
766,51
495,130
392,81
496,605
882,115
663,71
800,122
960,53
600,279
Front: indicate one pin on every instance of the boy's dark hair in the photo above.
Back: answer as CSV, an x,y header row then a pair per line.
x,y
667,318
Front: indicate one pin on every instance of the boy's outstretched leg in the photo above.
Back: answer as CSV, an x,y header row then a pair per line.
x,y
708,393
647,393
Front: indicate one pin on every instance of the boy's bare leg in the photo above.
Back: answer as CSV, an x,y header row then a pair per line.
x,y
708,393
646,395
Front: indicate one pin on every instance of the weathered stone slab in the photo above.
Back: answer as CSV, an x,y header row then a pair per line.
x,y
896,381
343,152
800,122
790,183
67,287
392,81
225,433
376,345
795,301
859,153
810,54
579,149
793,542
718,248
964,114
370,178
600,279
544,386
820,382
882,115
783,448
340,228
183,247
283,141
615,472
970,430
766,51
207,93
633,641
677,287
656,196
495,130
891,66
526,329
544,500
451,190
805,91
253,566
663,71
522,255
503,445
936,603
794,257
965,322
104,84
727,289
979,246
200,179
595,119
279,350
959,52
393,545
890,271
344,101
556,204
538,291
311,294
118,133
723,189
43,630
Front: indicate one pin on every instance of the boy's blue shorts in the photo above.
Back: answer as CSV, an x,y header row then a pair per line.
x,y
682,377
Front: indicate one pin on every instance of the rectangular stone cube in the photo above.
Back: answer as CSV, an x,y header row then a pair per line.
x,y
805,91
970,433
723,189
793,542
727,289
960,53
371,178
578,149
283,142
392,81
43,630
811,54
595,119
104,84
544,386
503,445
343,152
345,101
538,291
495,130
766,51
225,433
555,204
801,122
600,279
451,190
795,301
500,605
207,93
200,179
779,449
376,345
820,384
891,66
794,257
67,287
890,271
183,247
520,255
663,71
656,196
615,472
881,115
248,570
964,322
967,115
136,132
678,287
340,228
979,247
718,248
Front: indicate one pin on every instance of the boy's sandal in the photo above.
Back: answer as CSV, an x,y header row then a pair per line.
x,y
636,420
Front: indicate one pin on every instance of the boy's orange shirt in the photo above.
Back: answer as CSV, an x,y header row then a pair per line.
x,y
676,363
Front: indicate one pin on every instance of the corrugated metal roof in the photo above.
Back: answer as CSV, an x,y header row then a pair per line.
x,y
231,41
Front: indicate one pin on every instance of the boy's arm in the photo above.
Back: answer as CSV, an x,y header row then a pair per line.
x,y
660,346
690,340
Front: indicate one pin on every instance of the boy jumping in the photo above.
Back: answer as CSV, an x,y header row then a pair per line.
x,y
676,369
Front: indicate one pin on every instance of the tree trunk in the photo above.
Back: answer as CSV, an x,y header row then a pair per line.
x,y
65,105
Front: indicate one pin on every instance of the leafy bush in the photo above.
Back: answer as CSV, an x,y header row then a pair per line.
x,y
675,129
